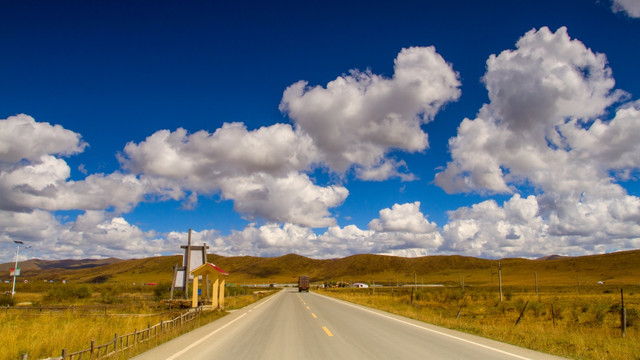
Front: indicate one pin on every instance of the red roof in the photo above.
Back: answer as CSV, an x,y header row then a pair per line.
x,y
218,269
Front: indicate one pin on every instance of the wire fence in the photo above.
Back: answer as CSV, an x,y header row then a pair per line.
x,y
127,341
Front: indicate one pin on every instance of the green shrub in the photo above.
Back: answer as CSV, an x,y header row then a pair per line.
x,y
65,293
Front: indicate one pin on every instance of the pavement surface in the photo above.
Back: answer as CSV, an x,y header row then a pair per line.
x,y
292,325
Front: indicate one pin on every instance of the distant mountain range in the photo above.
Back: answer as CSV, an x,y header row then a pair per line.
x,y
614,269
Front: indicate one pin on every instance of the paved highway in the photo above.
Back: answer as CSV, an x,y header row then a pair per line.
x,y
292,325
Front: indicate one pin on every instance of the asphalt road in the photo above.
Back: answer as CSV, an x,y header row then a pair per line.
x,y
292,325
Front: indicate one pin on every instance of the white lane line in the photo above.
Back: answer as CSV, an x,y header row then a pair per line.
x,y
433,331
175,356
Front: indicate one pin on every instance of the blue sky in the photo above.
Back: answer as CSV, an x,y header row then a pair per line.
x,y
345,128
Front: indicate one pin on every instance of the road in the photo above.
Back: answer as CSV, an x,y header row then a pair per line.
x,y
292,325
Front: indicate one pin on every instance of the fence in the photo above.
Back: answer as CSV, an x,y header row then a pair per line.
x,y
127,341
80,309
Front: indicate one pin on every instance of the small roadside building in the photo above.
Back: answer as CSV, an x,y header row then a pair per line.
x,y
209,270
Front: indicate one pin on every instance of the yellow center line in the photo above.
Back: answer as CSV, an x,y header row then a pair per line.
x,y
314,315
308,308
327,331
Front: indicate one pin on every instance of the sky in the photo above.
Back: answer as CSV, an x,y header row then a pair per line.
x,y
480,128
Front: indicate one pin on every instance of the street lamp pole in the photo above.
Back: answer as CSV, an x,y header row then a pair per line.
x,y
15,269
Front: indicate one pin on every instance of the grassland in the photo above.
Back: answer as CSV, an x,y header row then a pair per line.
x,y
71,315
559,320
614,269
583,324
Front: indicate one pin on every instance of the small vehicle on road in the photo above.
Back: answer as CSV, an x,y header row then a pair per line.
x,y
303,284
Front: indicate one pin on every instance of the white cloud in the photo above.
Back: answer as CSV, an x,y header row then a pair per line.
x,y
630,7
260,170
358,118
488,230
519,136
197,159
94,234
402,218
21,137
293,198
543,129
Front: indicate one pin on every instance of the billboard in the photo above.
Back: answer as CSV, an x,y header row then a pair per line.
x,y
14,272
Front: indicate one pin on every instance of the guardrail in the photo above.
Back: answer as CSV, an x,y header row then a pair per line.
x,y
127,341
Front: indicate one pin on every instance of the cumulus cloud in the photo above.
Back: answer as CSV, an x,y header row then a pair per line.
x,y
548,84
260,170
545,127
358,118
630,7
488,230
33,176
94,234
22,138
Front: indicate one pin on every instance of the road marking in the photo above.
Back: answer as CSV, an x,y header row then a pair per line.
x,y
175,356
314,315
427,329
327,331
308,308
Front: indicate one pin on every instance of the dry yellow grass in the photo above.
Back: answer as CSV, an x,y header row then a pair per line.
x,y
581,326
44,334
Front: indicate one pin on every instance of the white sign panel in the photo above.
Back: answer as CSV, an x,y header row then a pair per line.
x,y
179,279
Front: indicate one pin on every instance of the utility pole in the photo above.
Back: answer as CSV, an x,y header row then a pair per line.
x,y
16,271
500,279
537,283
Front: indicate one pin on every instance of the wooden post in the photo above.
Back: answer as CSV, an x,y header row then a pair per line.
x,y
214,294
194,298
221,295
115,342
522,312
25,356
623,314
93,348
500,279
173,283
187,269
537,283
64,354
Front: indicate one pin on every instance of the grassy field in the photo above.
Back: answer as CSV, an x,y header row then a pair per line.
x,y
619,268
574,315
92,312
559,321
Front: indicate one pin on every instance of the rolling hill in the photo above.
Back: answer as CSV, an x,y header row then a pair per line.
x,y
614,269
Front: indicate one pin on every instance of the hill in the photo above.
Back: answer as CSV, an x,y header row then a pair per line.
x,y
35,265
614,268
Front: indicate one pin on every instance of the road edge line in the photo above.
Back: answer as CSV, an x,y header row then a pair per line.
x,y
427,329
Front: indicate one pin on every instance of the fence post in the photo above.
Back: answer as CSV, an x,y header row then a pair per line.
x,y
64,354
623,314
93,348
115,342
25,356
522,312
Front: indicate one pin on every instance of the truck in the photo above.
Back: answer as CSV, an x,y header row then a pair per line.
x,y
303,284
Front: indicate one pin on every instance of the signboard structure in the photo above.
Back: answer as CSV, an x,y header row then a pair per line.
x,y
194,257
14,272
206,271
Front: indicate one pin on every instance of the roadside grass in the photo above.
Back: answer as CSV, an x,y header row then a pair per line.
x,y
558,321
94,312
